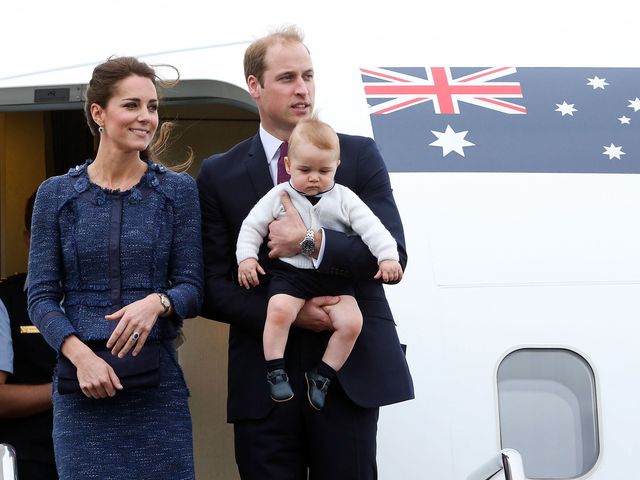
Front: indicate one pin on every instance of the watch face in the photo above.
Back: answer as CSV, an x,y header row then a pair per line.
x,y
165,301
308,244
307,247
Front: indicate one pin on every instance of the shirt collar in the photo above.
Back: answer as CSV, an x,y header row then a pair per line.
x,y
270,144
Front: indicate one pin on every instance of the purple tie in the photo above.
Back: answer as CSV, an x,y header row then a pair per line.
x,y
283,176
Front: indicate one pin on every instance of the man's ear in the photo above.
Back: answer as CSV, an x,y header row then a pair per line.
x,y
254,86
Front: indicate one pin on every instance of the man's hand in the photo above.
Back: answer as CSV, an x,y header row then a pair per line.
x,y
314,315
286,233
248,270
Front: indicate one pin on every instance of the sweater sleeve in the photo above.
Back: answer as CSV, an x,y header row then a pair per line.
x,y
186,271
369,227
256,225
45,268
347,255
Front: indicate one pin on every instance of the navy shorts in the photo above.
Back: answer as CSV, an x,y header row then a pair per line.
x,y
306,283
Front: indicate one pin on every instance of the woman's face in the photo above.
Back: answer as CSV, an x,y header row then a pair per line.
x,y
130,118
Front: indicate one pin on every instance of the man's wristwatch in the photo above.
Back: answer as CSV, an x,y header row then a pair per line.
x,y
308,243
166,303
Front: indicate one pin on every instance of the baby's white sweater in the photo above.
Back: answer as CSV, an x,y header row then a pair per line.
x,y
339,209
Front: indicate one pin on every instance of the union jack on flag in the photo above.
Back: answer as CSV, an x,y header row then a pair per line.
x,y
442,89
503,119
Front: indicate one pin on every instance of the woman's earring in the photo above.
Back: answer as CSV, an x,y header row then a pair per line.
x,y
101,129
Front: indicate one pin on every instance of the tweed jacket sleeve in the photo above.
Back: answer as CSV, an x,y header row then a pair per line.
x,y
45,266
185,267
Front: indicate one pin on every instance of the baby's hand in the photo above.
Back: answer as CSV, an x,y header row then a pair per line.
x,y
389,271
248,270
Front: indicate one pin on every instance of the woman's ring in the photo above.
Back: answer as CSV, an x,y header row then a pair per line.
x,y
135,336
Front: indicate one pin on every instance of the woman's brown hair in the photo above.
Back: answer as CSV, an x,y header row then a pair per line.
x,y
102,87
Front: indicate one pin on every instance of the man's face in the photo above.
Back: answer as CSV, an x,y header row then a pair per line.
x,y
288,90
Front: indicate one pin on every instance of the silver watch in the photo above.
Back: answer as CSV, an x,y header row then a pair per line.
x,y
308,243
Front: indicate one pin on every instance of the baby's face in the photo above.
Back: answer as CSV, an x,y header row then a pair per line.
x,y
312,169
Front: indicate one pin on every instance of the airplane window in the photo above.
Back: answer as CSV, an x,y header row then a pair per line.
x,y
548,411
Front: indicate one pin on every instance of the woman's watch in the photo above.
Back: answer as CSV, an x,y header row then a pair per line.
x,y
166,303
308,243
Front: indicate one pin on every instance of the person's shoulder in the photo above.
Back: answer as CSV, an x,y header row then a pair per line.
x,y
342,189
12,282
344,192
346,138
60,185
179,179
171,183
238,150
357,146
274,194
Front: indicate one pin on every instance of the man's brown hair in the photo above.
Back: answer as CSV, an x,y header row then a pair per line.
x,y
254,56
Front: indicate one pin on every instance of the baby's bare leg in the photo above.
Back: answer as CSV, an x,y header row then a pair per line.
x,y
282,311
346,319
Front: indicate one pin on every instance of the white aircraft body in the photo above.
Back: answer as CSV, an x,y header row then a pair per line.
x,y
521,297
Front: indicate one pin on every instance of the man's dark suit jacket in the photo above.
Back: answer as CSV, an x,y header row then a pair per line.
x,y
230,184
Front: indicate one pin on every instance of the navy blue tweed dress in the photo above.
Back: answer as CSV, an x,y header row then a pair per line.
x,y
97,250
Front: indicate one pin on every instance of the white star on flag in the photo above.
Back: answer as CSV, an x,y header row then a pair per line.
x,y
451,141
596,82
613,151
624,120
566,108
635,104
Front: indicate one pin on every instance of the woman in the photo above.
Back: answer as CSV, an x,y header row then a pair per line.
x,y
117,241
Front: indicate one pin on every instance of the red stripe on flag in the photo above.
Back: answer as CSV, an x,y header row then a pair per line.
x,y
511,106
401,105
485,73
382,75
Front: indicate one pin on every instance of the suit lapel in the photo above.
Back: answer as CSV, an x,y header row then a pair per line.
x,y
258,168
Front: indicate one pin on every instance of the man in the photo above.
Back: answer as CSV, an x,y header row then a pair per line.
x,y
26,369
292,440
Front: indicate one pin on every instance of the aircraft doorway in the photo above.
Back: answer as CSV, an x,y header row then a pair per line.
x,y
43,133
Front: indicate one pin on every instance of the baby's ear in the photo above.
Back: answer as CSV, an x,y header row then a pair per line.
x,y
287,164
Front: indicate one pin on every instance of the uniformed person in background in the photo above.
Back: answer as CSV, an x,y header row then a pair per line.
x,y
26,370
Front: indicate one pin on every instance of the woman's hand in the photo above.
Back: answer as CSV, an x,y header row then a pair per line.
x,y
95,376
135,322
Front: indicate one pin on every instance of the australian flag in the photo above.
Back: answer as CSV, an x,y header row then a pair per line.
x,y
506,119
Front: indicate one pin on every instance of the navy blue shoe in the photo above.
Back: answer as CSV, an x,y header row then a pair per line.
x,y
317,386
279,387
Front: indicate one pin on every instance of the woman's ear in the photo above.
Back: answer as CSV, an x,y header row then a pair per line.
x,y
97,113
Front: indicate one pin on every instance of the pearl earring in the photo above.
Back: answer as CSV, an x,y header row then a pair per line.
x,y
101,129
